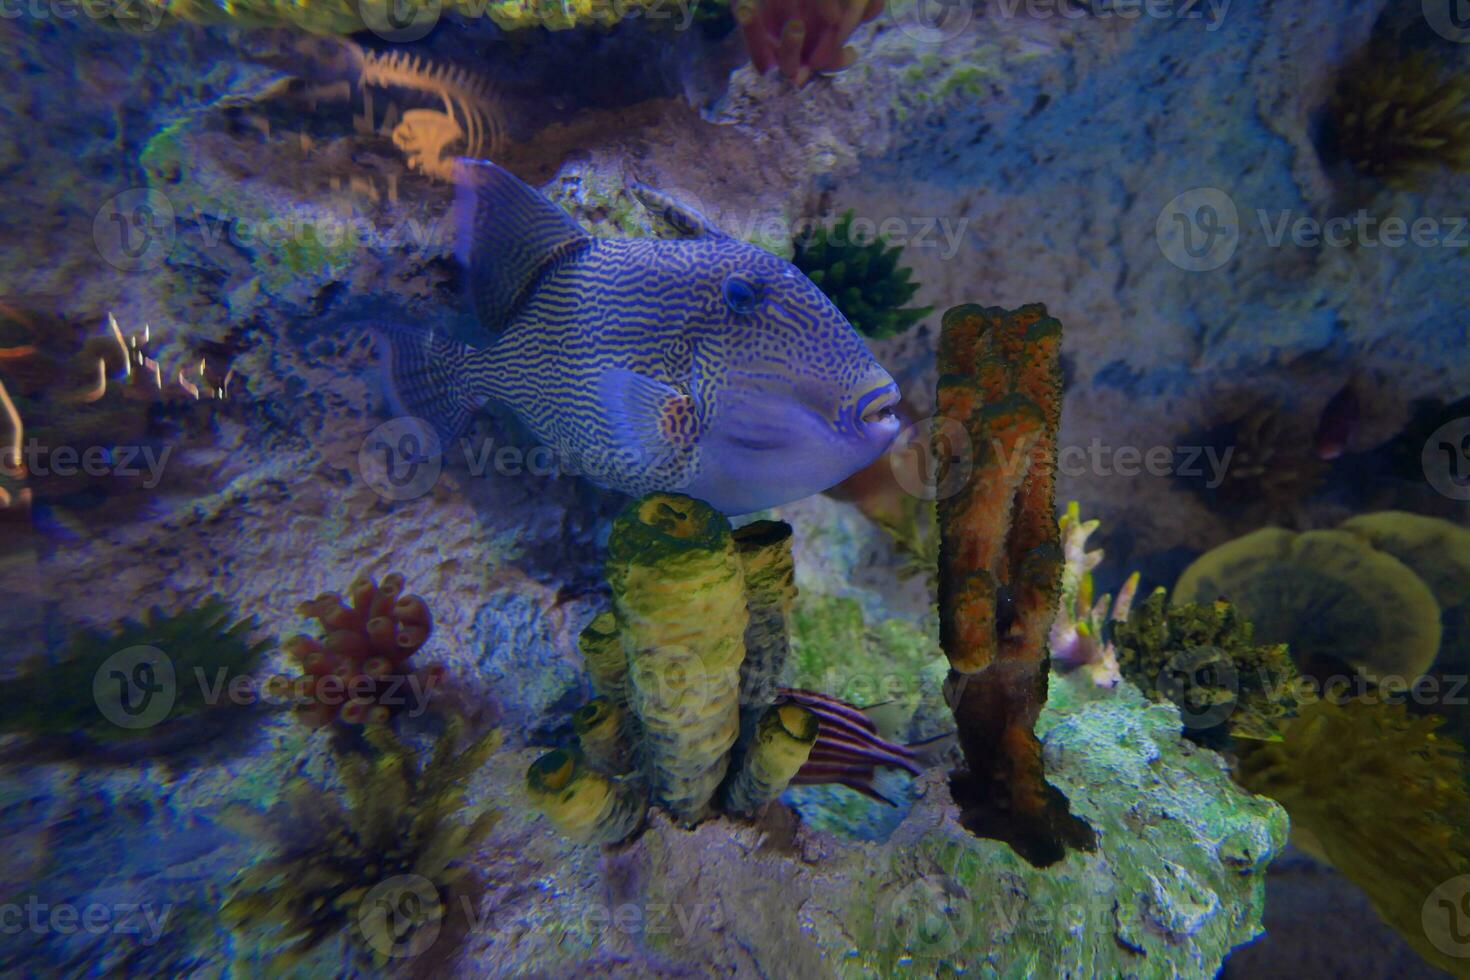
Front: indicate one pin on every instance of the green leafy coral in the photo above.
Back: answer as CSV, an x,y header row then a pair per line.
x,y
1380,794
182,657
389,866
1202,658
1400,119
863,279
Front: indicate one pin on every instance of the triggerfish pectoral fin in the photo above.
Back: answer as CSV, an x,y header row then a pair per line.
x,y
650,419
433,378
506,234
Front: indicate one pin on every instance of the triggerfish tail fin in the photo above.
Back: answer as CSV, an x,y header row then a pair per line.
x,y
434,378
507,235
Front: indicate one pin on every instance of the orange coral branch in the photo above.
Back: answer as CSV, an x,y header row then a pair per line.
x,y
1000,565
10,457
801,37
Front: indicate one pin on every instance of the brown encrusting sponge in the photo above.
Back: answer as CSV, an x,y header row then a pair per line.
x,y
1000,562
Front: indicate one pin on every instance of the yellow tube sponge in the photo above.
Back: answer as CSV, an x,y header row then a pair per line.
x,y
783,741
602,650
584,805
764,548
602,732
680,597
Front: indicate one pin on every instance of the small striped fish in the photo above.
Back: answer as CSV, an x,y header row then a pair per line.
x,y
699,365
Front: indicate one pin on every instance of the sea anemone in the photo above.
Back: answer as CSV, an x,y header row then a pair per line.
x,y
1379,794
864,279
390,867
1401,118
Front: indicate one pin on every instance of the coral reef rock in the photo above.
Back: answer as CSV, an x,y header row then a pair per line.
x,y
1176,881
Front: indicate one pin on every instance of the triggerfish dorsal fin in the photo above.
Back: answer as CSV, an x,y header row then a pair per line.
x,y
506,234
434,378
685,220
651,420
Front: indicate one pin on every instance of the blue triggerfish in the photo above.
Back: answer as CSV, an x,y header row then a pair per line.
x,y
699,365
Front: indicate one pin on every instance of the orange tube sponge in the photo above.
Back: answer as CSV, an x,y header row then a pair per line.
x,y
1000,562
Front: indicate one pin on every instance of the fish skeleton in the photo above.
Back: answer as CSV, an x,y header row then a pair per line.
x,y
700,365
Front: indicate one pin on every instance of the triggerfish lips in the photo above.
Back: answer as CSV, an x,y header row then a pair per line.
x,y
877,412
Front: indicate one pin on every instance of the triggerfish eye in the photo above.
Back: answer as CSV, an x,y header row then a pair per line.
x,y
740,294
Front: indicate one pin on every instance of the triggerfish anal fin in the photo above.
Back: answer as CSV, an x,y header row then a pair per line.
x,y
649,419
434,378
686,221
507,235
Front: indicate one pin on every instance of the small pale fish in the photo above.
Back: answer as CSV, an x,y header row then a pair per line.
x,y
700,365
